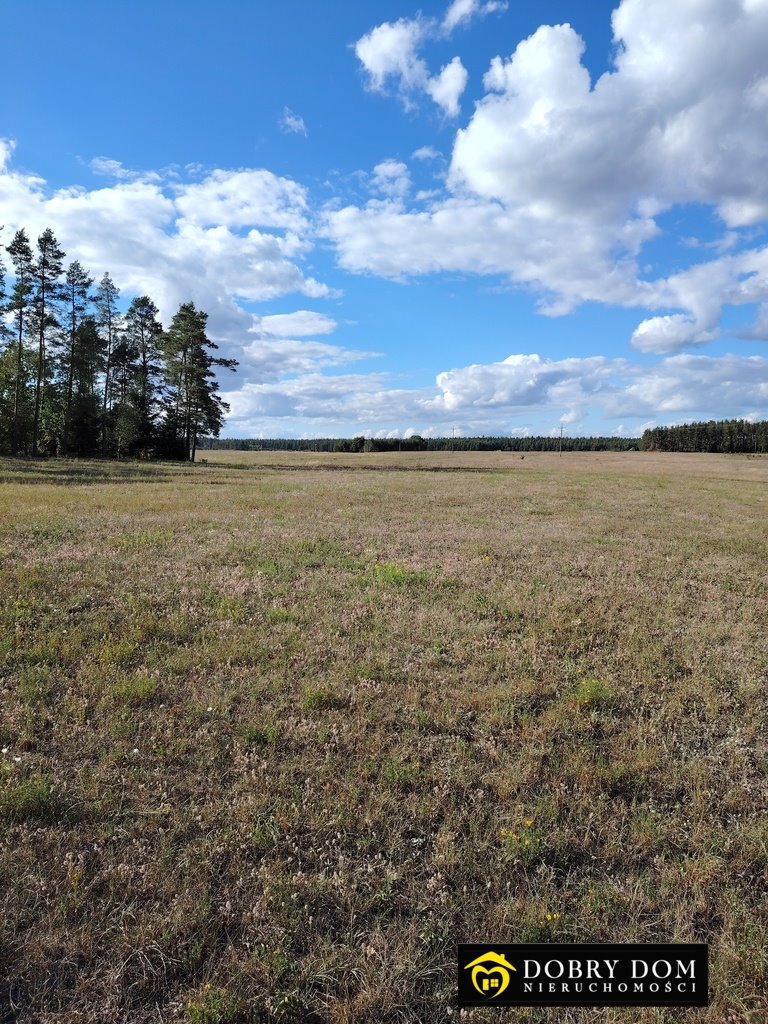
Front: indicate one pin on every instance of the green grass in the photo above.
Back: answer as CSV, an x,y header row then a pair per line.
x,y
29,800
280,730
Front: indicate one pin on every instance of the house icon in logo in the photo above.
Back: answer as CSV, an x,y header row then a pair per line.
x,y
492,980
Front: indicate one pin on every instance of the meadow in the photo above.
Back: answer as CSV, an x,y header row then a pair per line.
x,y
279,730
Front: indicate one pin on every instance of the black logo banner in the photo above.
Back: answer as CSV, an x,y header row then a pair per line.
x,y
592,974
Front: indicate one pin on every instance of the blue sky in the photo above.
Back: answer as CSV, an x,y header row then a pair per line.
x,y
498,217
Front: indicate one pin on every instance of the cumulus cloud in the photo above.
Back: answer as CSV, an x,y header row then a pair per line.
x,y
391,55
299,324
390,51
662,334
391,178
558,182
703,290
521,381
710,386
447,87
568,263
244,198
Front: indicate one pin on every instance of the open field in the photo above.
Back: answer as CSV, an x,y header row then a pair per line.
x,y
279,730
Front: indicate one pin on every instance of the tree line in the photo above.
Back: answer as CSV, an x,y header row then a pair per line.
x,y
723,436
80,377
416,443
727,436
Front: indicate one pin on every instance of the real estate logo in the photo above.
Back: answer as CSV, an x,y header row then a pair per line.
x,y
496,977
594,974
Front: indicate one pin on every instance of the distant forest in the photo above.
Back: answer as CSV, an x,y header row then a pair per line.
x,y
415,443
726,436
78,377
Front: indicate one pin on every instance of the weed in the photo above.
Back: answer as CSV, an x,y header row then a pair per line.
x,y
595,694
138,689
523,842
401,773
214,1005
320,698
261,735
389,573
31,800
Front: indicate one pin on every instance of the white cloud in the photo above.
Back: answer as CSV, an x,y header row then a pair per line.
x,y
7,146
244,198
271,359
390,55
663,334
110,168
105,166
447,87
426,153
292,123
390,51
276,353
462,11
758,331
703,290
556,181
315,397
572,261
708,386
391,178
521,381
299,324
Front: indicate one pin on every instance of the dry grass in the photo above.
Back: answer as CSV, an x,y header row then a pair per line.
x,y
280,730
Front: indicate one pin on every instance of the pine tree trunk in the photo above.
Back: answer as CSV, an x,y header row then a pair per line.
x,y
70,381
17,390
107,368
40,371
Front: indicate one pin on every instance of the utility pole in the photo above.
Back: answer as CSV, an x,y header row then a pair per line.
x,y
560,449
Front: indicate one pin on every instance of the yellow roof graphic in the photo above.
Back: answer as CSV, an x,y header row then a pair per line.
x,y
496,958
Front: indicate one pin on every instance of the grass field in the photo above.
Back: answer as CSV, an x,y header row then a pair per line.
x,y
279,730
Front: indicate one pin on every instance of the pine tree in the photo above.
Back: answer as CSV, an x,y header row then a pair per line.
x,y
108,320
88,364
195,405
124,417
20,308
77,287
144,332
46,274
